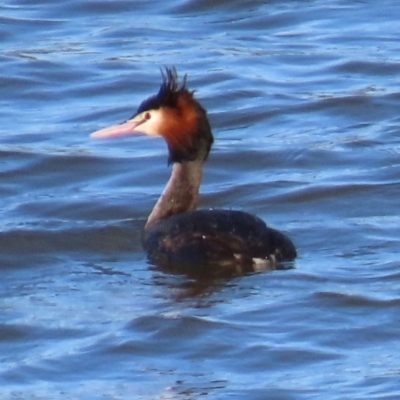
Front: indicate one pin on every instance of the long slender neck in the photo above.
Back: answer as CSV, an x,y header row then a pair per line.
x,y
181,193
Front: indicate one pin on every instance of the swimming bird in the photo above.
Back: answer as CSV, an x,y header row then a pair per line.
x,y
177,235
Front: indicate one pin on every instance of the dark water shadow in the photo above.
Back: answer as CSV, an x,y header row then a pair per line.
x,y
192,281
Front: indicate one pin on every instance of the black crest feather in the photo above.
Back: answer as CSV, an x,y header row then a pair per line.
x,y
168,94
170,88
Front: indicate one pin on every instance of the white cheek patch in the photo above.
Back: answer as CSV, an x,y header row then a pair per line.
x,y
153,125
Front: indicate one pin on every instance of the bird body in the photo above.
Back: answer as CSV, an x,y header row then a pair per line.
x,y
229,239
177,235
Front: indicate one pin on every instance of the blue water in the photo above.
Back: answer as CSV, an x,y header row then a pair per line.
x,y
303,97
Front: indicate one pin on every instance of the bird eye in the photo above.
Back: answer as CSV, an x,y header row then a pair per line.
x,y
147,115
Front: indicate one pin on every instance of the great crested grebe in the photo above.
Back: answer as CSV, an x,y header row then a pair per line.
x,y
177,235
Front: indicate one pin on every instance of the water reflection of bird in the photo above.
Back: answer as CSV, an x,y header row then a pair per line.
x,y
176,233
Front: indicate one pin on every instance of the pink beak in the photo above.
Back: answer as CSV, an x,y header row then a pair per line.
x,y
125,128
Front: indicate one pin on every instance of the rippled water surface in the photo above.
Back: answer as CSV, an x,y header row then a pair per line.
x,y
304,101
